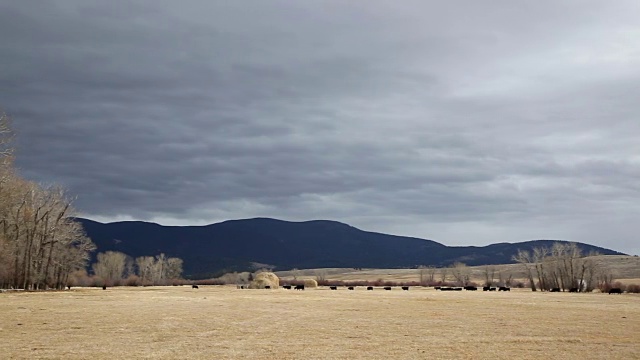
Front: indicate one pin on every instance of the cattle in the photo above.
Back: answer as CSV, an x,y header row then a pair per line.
x,y
194,286
615,291
437,287
387,287
333,288
573,290
68,287
457,289
504,288
288,287
104,287
444,288
406,288
267,287
555,290
470,288
369,287
351,288
486,288
299,287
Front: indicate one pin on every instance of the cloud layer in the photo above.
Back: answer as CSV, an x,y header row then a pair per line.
x,y
467,124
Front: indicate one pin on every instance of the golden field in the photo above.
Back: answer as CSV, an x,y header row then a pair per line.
x,y
222,322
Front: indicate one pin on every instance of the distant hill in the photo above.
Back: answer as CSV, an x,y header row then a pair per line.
x,y
234,245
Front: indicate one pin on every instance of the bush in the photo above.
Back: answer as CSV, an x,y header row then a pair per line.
x,y
132,280
633,288
207,282
605,287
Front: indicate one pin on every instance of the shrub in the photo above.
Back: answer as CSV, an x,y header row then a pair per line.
x,y
605,287
132,280
633,288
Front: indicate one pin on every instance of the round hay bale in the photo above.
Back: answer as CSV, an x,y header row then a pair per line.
x,y
265,279
310,283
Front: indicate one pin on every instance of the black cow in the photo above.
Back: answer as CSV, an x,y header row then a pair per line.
x,y
405,288
68,287
351,288
615,291
457,289
387,287
104,287
470,288
288,287
444,288
194,286
299,287
333,288
555,290
369,287
573,290
504,288
486,288
267,287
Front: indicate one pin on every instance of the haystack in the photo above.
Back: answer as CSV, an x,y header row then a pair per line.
x,y
263,279
310,283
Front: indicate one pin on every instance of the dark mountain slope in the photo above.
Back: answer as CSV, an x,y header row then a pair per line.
x,y
234,245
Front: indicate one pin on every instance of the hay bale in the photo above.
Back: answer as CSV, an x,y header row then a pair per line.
x,y
310,283
265,279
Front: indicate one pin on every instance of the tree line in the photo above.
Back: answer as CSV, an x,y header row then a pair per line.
x,y
41,244
563,266
114,268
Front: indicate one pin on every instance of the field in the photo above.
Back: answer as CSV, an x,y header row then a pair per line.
x,y
222,322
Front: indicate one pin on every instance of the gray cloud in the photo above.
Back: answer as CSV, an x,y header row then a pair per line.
x,y
464,123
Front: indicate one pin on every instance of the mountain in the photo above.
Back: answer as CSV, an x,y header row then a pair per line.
x,y
234,245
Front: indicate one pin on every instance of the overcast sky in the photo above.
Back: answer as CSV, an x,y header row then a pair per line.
x,y
464,122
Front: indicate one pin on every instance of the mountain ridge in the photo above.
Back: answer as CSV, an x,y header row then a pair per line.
x,y
234,245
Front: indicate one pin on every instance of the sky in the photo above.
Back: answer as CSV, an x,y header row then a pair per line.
x,y
464,122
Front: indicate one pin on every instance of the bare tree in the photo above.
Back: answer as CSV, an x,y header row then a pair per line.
x,y
427,274
524,258
295,273
443,275
461,273
174,268
159,270
6,136
144,264
489,272
321,274
110,266
40,243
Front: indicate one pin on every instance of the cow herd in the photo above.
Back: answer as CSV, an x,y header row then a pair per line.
x,y
472,288
440,288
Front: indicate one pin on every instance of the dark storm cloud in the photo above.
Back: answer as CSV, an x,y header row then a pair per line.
x,y
465,123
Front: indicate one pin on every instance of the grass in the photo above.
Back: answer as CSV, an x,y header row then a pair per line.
x,y
221,322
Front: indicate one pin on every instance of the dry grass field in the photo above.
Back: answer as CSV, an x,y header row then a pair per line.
x,y
222,322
